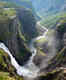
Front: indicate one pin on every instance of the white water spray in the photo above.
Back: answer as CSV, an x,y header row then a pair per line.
x,y
22,71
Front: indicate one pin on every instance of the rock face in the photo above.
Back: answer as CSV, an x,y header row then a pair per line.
x,y
57,65
61,34
28,22
10,35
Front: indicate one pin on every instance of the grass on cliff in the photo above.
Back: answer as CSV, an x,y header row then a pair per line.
x,y
9,12
6,76
7,71
6,13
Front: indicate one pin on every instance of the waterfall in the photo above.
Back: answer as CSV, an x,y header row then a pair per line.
x,y
22,71
28,70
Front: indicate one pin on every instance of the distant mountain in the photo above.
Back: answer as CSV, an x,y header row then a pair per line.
x,y
46,6
24,3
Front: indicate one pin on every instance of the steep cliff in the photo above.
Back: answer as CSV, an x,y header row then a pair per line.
x,y
28,22
56,69
11,35
27,19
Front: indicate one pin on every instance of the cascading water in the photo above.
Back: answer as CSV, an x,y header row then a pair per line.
x,y
22,71
28,70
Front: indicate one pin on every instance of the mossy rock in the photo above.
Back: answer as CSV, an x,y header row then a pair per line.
x,y
6,76
6,14
7,71
3,56
53,75
61,26
5,63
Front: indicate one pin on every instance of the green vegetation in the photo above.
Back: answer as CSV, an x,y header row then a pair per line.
x,y
56,74
40,52
6,14
5,17
9,12
20,33
58,58
42,40
2,62
61,24
7,71
50,21
6,76
8,34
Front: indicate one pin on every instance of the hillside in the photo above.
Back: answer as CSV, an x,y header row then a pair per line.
x,y
51,20
53,6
